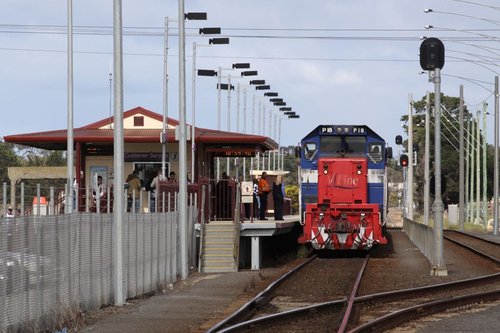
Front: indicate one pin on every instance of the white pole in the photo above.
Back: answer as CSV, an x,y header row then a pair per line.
x,y
193,116
495,163
238,108
118,209
485,200
70,135
410,157
219,92
163,138
426,160
228,116
182,147
244,110
478,168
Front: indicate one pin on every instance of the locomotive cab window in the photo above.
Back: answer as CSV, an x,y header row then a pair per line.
x,y
309,150
375,152
355,144
330,144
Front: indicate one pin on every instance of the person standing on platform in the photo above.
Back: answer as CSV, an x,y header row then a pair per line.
x,y
256,202
154,191
278,198
134,189
264,190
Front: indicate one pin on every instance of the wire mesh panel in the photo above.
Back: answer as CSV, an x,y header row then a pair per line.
x,y
52,267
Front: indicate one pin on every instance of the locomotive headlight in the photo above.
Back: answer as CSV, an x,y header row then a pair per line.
x,y
325,169
359,169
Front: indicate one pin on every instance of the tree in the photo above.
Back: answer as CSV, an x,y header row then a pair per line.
x,y
450,144
8,158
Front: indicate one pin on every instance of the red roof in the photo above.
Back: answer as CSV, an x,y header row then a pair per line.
x,y
95,134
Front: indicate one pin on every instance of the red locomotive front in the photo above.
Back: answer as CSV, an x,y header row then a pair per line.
x,y
342,218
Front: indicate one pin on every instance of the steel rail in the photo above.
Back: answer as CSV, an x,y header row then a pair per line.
x,y
302,311
352,297
257,302
396,318
279,317
470,248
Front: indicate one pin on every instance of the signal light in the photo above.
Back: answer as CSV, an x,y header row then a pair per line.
x,y
431,54
403,160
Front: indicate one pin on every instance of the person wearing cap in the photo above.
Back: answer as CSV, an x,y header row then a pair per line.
x,y
10,212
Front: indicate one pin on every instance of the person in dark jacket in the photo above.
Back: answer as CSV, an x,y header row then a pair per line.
x,y
278,198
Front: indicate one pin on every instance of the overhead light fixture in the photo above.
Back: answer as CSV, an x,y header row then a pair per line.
x,y
207,72
249,73
241,65
209,31
222,40
195,16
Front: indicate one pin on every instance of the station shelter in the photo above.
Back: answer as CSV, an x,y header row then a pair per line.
x,y
93,151
93,147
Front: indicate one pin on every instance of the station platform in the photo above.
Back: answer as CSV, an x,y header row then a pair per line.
x,y
255,229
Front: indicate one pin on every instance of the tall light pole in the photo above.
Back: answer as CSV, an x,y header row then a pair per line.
x,y
118,154
163,135
70,138
193,90
461,184
410,157
495,177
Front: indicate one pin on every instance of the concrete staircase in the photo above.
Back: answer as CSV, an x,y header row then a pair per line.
x,y
219,249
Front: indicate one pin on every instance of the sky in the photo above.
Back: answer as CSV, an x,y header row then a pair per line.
x,y
333,62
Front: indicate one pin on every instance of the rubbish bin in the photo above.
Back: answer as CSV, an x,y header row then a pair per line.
x,y
452,215
42,205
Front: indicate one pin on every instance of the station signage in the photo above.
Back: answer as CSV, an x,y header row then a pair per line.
x,y
331,130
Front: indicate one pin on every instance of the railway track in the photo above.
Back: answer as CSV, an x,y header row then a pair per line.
x,y
486,248
280,309
346,312
380,312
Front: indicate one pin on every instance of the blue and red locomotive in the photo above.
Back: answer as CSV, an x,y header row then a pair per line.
x,y
343,187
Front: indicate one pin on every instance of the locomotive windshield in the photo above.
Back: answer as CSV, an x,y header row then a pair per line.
x,y
342,145
375,152
309,150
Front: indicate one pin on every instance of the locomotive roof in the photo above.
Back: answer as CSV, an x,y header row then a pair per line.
x,y
343,130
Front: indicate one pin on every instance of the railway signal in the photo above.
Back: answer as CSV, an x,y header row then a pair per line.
x,y
403,160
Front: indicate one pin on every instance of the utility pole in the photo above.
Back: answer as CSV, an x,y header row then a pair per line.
x,y
467,174
478,168
432,60
472,168
495,177
410,157
439,268
461,183
485,197
426,160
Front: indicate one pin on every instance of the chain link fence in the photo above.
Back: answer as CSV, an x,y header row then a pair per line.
x,y
53,267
